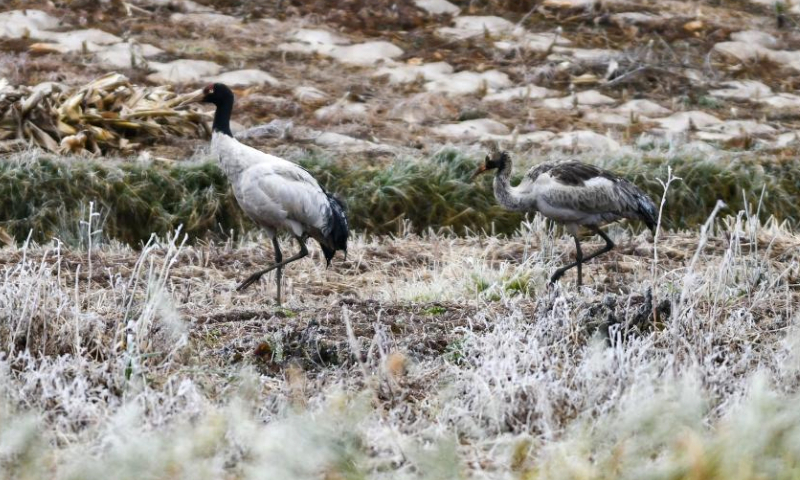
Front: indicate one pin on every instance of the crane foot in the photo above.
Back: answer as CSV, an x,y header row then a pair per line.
x,y
250,280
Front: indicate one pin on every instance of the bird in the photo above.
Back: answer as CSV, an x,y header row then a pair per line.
x,y
278,195
574,194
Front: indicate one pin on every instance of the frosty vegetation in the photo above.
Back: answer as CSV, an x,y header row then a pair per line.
x,y
427,356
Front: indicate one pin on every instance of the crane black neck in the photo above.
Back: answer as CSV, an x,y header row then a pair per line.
x,y
504,170
222,117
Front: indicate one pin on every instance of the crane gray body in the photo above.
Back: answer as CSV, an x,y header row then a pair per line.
x,y
574,194
276,194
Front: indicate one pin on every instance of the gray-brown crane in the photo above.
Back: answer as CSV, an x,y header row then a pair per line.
x,y
574,194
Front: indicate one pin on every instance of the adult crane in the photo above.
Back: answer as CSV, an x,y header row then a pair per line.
x,y
574,194
278,195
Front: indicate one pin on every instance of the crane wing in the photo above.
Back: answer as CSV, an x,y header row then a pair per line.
x,y
596,196
281,194
579,192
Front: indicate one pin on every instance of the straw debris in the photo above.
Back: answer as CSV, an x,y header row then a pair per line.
x,y
109,114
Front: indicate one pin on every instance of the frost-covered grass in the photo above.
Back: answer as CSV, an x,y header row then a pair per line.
x,y
426,357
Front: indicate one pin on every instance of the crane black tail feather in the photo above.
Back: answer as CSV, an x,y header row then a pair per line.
x,y
339,230
639,205
648,212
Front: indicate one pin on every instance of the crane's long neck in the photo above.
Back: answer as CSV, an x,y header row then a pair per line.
x,y
234,157
222,141
222,117
504,192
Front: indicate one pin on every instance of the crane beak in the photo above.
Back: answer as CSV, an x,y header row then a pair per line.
x,y
480,170
191,97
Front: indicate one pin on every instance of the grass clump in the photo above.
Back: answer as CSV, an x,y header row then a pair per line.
x,y
520,284
137,199
435,310
429,194
738,181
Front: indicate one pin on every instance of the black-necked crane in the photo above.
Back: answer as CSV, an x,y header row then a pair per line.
x,y
278,195
574,194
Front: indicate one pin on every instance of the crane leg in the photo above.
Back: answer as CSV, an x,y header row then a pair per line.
x,y
254,277
577,263
579,256
579,260
279,271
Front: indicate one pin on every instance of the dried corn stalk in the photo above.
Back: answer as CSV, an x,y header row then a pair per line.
x,y
108,114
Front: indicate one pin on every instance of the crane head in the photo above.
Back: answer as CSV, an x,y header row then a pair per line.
x,y
216,93
494,160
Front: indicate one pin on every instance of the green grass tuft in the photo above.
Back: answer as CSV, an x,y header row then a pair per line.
x,y
435,310
519,284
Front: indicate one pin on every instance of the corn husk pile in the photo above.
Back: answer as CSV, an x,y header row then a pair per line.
x,y
108,114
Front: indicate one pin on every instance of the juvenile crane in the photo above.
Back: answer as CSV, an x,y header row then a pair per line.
x,y
276,194
574,194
